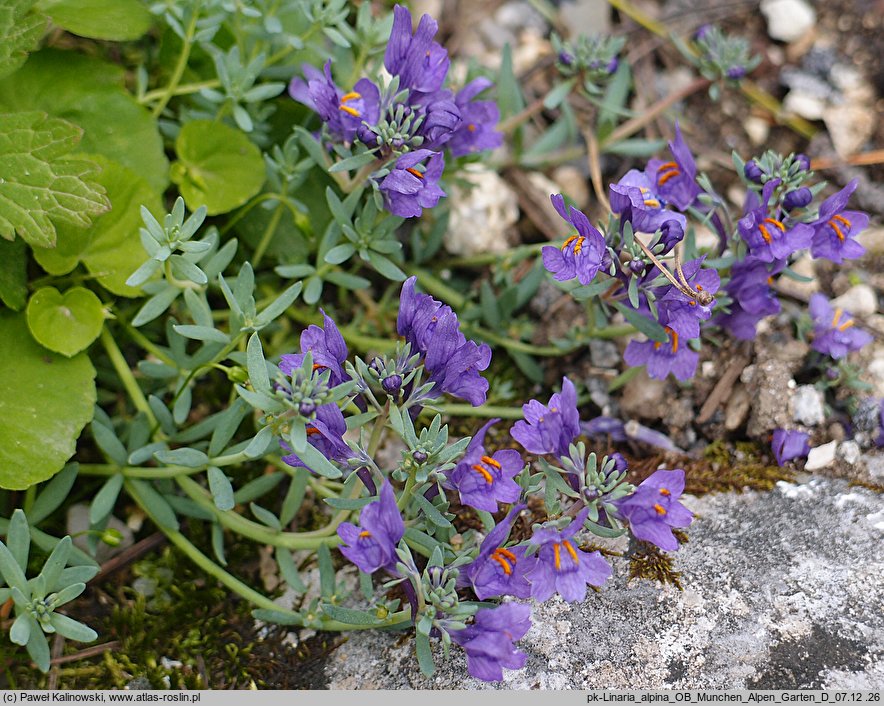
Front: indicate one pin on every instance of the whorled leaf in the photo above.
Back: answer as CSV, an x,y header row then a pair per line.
x,y
40,183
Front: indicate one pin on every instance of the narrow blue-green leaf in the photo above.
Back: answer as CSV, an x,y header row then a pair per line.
x,y
258,487
317,462
350,616
555,97
53,493
386,267
265,517
231,418
222,490
279,305
71,629
326,571
38,649
256,365
347,503
68,593
109,443
155,503
73,575
218,543
651,329
430,510
18,539
20,632
277,616
354,162
141,455
340,253
56,562
10,570
105,499
289,570
260,443
190,458
424,654
201,333
295,495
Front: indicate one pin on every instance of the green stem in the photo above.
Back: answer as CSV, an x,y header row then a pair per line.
x,y
467,410
181,90
126,377
267,237
513,255
207,565
254,531
109,469
147,344
437,287
181,65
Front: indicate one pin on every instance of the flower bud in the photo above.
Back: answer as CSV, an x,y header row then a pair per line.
x,y
702,31
803,161
566,58
391,384
752,171
419,456
799,198
637,266
736,72
306,408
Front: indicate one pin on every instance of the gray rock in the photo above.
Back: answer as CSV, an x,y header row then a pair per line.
x,y
767,383
859,300
807,406
849,452
781,590
788,20
821,456
604,354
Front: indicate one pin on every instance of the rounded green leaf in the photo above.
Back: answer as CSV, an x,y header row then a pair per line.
x,y
115,20
45,401
218,167
113,123
65,323
111,249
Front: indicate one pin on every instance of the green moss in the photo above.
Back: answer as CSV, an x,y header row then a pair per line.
x,y
648,562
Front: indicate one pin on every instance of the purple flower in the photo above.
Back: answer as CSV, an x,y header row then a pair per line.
x,y
787,445
582,254
327,347
879,442
409,189
663,358
752,171
482,480
440,116
834,332
488,642
499,571
676,180
432,329
478,120
767,237
798,198
561,567
342,111
373,545
684,313
552,428
653,509
835,229
753,296
634,198
325,432
420,63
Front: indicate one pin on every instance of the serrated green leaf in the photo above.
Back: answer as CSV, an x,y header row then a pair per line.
x,y
114,20
218,167
41,184
65,323
114,124
45,401
21,28
110,249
